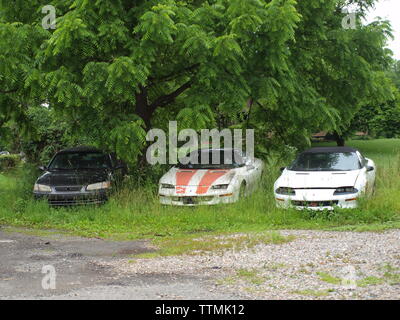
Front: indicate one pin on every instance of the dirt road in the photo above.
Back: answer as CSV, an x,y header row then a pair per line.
x,y
81,271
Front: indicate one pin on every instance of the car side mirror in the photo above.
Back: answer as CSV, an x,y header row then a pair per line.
x,y
370,168
250,167
42,168
282,169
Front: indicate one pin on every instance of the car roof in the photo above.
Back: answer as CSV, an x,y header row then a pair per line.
x,y
81,149
330,150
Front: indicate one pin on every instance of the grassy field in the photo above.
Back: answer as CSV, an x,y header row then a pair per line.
x,y
136,214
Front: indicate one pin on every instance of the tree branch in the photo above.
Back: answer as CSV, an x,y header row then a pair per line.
x,y
169,98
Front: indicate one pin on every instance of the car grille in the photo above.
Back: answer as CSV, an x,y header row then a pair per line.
x,y
317,204
193,200
75,201
68,188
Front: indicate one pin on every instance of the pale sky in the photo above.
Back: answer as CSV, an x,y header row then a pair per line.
x,y
389,10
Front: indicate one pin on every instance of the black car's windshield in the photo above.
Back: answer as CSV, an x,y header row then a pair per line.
x,y
213,159
336,161
80,161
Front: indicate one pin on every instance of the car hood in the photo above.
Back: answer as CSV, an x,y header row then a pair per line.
x,y
192,177
73,178
331,179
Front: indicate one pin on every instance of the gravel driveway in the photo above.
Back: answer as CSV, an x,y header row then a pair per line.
x,y
313,265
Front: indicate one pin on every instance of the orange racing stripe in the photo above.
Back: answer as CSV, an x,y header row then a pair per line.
x,y
208,179
183,179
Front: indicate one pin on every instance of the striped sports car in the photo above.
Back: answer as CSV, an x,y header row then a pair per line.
x,y
219,176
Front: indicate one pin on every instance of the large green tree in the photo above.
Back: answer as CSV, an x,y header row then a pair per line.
x,y
117,68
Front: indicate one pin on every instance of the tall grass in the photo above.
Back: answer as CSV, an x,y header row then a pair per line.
x,y
136,213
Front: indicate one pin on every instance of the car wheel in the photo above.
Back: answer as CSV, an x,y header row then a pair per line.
x,y
373,191
242,191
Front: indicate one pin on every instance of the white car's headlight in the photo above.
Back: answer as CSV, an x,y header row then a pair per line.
x,y
345,190
286,191
98,186
41,188
167,186
220,187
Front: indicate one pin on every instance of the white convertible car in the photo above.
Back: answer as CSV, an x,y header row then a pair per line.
x,y
325,178
210,182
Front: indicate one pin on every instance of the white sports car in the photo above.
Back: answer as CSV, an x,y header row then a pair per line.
x,y
226,180
325,178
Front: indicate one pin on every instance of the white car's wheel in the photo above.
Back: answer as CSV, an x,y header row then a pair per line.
x,y
373,192
242,190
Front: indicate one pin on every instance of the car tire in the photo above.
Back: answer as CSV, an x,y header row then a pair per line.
x,y
242,190
373,192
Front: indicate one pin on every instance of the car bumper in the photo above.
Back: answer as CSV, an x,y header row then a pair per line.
x,y
316,203
73,198
196,200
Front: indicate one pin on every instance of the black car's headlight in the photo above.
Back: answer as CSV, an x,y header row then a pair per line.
x,y
220,187
345,190
286,191
41,188
167,186
98,186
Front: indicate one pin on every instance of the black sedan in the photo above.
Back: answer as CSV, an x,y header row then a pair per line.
x,y
81,175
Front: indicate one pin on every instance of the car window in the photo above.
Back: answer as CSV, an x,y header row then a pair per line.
x,y
336,161
80,160
364,161
214,159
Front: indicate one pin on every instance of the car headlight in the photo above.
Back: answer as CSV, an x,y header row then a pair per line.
x,y
99,186
345,190
167,186
286,191
220,187
41,188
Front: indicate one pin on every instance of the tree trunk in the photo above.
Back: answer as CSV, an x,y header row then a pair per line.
x,y
143,109
340,141
146,110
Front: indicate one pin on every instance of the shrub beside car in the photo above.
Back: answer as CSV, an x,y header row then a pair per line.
x,y
9,161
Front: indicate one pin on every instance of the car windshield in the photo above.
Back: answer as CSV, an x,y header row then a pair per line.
x,y
80,160
213,159
336,161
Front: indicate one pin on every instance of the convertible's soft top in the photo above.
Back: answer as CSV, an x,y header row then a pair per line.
x,y
330,150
